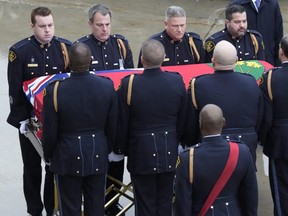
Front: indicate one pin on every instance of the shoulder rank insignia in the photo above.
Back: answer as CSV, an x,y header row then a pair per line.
x,y
12,56
209,46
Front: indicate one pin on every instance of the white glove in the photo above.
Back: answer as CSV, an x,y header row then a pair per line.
x,y
114,157
23,126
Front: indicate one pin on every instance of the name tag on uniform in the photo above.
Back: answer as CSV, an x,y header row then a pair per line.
x,y
247,54
115,64
186,60
166,59
32,65
94,62
54,68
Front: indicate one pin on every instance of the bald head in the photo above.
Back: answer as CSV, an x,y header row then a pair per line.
x,y
80,57
152,54
224,56
211,120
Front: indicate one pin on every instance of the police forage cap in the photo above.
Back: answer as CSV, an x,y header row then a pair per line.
x,y
225,56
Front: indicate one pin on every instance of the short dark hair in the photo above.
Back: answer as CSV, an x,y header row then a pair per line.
x,y
80,57
153,52
284,45
39,11
234,9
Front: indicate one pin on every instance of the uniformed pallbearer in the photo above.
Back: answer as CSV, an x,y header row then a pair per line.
x,y
248,43
108,52
200,167
274,134
237,94
39,55
181,47
152,112
79,130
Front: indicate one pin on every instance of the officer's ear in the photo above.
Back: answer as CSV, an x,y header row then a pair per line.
x,y
224,122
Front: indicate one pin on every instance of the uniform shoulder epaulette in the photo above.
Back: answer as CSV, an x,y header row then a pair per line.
x,y
63,40
173,72
254,32
119,36
194,35
217,34
158,36
21,43
104,77
197,145
83,39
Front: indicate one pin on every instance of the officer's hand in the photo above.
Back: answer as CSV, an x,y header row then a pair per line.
x,y
23,126
115,157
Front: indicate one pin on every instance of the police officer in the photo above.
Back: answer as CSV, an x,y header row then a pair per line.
x,y
38,55
152,112
108,52
79,130
180,47
274,132
265,17
200,167
237,94
248,43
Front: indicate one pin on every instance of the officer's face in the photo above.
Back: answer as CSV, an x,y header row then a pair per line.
x,y
175,27
43,28
237,26
101,26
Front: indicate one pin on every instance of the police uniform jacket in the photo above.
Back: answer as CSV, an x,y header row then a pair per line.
x,y
238,197
268,21
29,59
151,126
115,53
79,134
240,99
249,47
274,133
189,50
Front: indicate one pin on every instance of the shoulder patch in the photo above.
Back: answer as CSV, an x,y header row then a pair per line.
x,y
209,46
12,56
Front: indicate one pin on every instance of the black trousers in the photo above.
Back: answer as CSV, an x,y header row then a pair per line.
x,y
116,170
32,178
71,190
278,176
153,194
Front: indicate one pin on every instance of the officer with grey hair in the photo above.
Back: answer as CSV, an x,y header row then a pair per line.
x,y
181,47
